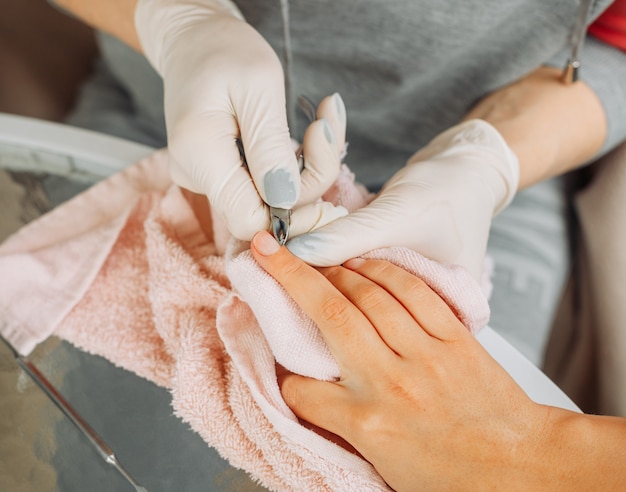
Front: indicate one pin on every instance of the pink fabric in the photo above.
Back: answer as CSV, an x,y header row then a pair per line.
x,y
130,270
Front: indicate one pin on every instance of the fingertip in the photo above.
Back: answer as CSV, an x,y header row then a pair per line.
x,y
332,108
323,246
354,263
311,217
340,106
301,246
265,244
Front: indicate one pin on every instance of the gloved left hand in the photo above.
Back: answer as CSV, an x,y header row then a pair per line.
x,y
440,204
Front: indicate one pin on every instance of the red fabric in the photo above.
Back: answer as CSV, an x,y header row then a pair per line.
x,y
610,27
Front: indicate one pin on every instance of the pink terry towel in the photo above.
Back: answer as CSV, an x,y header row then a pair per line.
x,y
131,270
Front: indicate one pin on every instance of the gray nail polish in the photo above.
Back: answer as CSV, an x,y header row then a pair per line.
x,y
304,246
328,132
280,188
339,106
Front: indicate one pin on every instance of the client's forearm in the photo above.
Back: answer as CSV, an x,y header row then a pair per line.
x,y
551,126
115,17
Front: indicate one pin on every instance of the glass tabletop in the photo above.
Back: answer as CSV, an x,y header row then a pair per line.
x,y
40,450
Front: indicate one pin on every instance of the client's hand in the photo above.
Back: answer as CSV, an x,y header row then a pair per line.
x,y
418,397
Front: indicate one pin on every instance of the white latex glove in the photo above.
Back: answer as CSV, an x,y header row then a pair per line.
x,y
321,166
223,81
440,204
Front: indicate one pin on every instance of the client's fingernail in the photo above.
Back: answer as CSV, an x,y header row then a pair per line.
x,y
265,243
354,263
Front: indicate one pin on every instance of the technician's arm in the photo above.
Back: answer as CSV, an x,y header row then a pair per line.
x,y
552,127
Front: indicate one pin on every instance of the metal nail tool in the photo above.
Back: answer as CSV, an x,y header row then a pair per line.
x,y
280,218
53,394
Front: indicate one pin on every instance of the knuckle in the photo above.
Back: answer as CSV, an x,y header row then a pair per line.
x,y
332,273
415,288
370,422
265,70
401,385
382,268
294,268
335,309
371,297
290,272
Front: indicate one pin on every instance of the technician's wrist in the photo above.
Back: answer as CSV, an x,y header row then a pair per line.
x,y
505,163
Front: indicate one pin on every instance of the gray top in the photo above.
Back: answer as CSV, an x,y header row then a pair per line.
x,y
407,70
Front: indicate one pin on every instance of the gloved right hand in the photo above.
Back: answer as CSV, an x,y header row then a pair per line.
x,y
222,82
440,204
